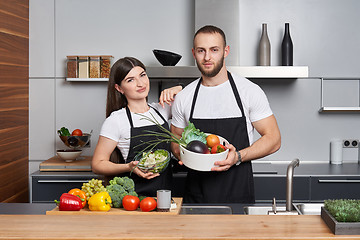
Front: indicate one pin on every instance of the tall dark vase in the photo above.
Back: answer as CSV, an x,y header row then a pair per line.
x,y
264,47
287,48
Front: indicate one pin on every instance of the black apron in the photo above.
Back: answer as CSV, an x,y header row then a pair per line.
x,y
235,185
147,187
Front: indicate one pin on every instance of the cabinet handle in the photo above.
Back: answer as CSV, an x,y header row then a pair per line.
x,y
62,181
339,181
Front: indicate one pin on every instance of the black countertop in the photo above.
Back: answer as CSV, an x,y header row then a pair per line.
x,y
274,169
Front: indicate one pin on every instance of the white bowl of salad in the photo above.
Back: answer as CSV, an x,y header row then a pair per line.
x,y
155,161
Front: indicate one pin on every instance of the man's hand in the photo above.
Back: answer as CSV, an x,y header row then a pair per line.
x,y
230,160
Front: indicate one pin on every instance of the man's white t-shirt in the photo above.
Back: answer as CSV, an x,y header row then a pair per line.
x,y
117,126
219,102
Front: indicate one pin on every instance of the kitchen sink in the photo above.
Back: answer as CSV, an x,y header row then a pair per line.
x,y
205,210
268,210
309,208
299,209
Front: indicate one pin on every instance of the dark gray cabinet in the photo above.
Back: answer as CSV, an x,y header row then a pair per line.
x,y
45,188
268,187
323,188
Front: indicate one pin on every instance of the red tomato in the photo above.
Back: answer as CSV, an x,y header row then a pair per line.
x,y
148,204
130,203
218,149
77,132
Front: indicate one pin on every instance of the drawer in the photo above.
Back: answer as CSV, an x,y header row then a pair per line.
x,y
46,190
323,188
266,188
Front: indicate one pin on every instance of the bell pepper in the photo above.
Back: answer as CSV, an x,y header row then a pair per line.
x,y
100,202
80,193
69,202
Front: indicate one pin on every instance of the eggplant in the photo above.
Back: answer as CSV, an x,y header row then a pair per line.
x,y
198,147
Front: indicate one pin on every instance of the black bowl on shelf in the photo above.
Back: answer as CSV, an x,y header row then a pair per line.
x,y
167,58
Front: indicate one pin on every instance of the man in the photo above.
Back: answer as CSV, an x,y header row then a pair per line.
x,y
230,106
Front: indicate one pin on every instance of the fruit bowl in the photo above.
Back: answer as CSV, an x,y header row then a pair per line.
x,y
167,58
155,166
69,155
200,161
76,141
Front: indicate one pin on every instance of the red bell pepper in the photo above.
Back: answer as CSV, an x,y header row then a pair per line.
x,y
69,202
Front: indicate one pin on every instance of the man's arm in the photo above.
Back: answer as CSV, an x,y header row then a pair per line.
x,y
174,146
268,143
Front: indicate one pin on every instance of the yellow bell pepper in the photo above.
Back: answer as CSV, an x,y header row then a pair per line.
x,y
100,202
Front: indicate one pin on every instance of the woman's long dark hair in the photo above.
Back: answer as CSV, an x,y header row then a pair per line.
x,y
115,100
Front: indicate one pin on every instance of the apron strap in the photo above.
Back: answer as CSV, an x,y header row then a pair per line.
x,y
158,114
128,113
194,98
236,93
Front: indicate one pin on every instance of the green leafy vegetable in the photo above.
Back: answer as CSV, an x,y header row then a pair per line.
x,y
344,210
118,188
191,133
154,161
64,132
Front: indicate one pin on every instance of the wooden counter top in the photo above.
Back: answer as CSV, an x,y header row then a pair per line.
x,y
164,227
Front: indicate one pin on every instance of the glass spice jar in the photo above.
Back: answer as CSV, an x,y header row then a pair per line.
x,y
94,66
83,67
72,67
105,66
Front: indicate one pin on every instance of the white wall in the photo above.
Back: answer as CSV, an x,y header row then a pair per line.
x,y
323,31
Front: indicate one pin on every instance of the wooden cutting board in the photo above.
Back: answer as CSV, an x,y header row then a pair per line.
x,y
83,163
118,211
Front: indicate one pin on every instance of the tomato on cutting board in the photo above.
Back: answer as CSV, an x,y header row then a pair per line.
x,y
77,132
130,203
148,204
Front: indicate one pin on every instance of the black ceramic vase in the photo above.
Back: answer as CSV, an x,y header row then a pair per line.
x,y
287,48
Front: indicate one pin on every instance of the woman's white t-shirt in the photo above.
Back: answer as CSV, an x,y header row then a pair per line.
x,y
117,126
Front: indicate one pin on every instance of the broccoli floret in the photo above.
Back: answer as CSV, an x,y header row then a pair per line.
x,y
120,187
128,184
133,193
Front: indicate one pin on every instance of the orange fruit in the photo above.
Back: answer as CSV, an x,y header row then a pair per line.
x,y
212,140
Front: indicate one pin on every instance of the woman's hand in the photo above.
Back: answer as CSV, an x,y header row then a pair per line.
x,y
137,171
167,95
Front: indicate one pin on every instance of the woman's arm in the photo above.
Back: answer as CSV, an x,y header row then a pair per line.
x,y
101,161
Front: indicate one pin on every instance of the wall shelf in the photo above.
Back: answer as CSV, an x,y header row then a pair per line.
x,y
192,72
246,71
339,109
329,109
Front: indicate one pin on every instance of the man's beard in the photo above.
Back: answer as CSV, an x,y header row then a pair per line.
x,y
214,72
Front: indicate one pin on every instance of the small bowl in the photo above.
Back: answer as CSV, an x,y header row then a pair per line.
x,y
159,167
69,155
200,161
76,141
167,58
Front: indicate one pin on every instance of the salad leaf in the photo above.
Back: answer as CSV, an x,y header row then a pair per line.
x,y
191,133
64,132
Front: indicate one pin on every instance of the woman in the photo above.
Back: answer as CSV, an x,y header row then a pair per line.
x,y
114,154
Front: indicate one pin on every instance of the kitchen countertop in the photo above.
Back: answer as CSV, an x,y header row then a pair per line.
x,y
164,227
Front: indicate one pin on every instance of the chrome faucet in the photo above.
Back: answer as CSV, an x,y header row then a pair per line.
x,y
289,184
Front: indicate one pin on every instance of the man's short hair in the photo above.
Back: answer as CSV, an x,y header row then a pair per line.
x,y
210,29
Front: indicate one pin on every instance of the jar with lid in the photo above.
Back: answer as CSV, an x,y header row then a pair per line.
x,y
72,67
83,67
94,66
105,66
